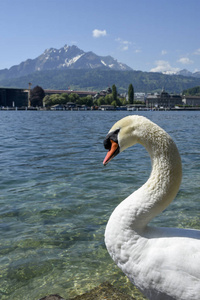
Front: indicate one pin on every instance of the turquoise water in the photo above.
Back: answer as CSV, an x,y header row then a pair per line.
x,y
56,197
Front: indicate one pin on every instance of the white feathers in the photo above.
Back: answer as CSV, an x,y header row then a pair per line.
x,y
164,263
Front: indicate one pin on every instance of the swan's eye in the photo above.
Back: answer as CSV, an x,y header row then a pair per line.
x,y
107,144
111,136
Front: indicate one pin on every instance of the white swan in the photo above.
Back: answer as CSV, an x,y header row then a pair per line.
x,y
164,263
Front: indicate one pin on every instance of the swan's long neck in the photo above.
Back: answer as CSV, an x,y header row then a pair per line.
x,y
135,212
164,181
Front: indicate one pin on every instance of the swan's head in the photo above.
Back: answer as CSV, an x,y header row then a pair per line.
x,y
121,136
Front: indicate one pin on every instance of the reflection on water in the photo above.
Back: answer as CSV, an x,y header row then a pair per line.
x,y
56,197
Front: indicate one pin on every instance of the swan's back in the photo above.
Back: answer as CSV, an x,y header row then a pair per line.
x,y
168,266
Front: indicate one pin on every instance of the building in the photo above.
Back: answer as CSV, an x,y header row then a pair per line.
x,y
13,97
79,93
163,100
103,93
106,107
191,100
139,97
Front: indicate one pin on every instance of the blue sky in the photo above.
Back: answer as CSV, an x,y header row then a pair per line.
x,y
147,35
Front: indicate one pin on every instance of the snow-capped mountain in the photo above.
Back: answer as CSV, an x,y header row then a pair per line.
x,y
187,73
70,57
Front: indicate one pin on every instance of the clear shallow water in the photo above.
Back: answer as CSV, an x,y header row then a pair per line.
x,y
56,197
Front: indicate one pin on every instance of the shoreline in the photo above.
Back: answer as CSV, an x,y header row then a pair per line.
x,y
117,109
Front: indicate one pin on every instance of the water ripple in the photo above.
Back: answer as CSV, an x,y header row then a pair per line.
x,y
56,197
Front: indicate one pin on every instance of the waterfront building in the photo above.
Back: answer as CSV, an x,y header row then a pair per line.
x,y
13,97
191,100
79,93
102,93
106,107
163,100
139,97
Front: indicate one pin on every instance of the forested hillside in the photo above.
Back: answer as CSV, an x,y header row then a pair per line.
x,y
195,91
98,79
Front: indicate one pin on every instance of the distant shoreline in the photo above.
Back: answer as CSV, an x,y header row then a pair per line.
x,y
117,109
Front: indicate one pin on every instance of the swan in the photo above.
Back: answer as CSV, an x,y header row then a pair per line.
x,y
164,263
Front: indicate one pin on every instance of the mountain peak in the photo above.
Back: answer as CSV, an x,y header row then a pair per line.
x,y
187,73
184,72
70,57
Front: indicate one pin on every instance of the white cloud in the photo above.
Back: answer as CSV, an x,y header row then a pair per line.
x,y
122,41
124,44
98,33
185,61
73,42
197,52
163,52
125,48
164,67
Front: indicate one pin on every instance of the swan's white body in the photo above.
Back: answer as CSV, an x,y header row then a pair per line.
x,y
164,263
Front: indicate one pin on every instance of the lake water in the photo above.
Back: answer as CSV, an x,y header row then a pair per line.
x,y
56,197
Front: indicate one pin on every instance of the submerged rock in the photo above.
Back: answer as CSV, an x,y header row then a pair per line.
x,y
103,291
52,297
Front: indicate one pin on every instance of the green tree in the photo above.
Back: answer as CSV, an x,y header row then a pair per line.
x,y
65,98
108,99
73,97
118,101
114,92
81,101
101,101
88,101
114,103
123,101
130,94
56,99
47,101
37,95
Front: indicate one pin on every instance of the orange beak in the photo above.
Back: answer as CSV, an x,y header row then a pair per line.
x,y
114,150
